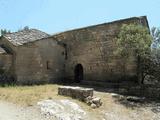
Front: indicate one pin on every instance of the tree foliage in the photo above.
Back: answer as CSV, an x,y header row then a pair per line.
x,y
24,28
155,61
134,40
4,31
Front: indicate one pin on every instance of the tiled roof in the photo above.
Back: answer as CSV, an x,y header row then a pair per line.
x,y
25,36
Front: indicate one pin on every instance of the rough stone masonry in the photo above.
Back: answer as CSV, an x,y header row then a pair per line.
x,y
84,55
80,93
76,92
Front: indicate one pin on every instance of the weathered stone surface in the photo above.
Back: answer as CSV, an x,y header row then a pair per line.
x,y
93,47
83,94
88,100
32,63
93,106
75,92
62,109
93,101
97,101
37,59
5,62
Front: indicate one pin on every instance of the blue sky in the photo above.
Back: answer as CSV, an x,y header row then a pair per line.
x,y
54,16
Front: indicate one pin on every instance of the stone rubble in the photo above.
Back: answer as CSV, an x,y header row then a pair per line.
x,y
83,94
94,102
93,106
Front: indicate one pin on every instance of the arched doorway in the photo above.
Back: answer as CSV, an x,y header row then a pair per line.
x,y
78,73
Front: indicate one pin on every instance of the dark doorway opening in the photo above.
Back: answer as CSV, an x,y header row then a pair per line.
x,y
78,73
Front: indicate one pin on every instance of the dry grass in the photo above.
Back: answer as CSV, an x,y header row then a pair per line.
x,y
28,95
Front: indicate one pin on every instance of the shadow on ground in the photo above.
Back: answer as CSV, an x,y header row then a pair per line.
x,y
125,98
135,102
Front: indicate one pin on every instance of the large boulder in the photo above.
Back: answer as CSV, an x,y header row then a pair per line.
x,y
62,110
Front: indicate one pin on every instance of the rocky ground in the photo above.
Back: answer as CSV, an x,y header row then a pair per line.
x,y
114,107
132,108
62,110
9,111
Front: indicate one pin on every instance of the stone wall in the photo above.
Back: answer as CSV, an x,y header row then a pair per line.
x,y
12,51
5,62
39,62
55,58
93,47
75,92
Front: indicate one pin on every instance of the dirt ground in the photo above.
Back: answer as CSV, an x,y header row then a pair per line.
x,y
9,111
20,103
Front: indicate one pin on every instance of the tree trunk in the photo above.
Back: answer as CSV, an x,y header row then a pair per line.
x,y
139,71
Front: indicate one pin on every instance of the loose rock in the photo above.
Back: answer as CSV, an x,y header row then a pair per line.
x,y
93,106
93,100
83,94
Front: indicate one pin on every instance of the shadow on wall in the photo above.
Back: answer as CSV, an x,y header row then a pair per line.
x,y
6,79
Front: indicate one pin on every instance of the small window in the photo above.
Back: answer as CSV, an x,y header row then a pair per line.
x,y
48,65
63,53
90,68
66,56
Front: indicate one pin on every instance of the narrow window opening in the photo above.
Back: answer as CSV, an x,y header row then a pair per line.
x,y
63,53
66,55
47,63
65,47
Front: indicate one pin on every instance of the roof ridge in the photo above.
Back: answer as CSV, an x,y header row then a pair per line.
x,y
105,23
24,30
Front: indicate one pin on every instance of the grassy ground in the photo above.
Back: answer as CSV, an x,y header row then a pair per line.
x,y
111,109
28,95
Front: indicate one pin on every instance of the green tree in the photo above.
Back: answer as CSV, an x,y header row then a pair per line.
x,y
24,28
134,40
4,31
